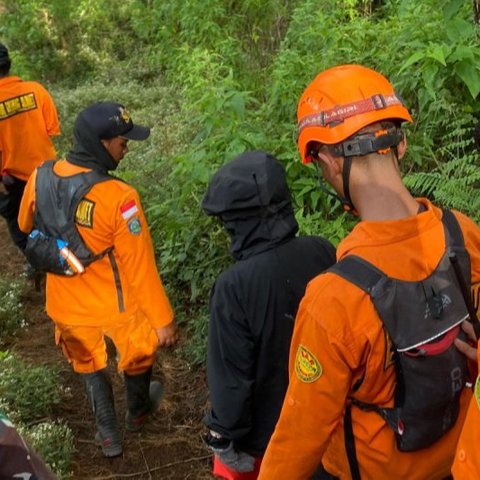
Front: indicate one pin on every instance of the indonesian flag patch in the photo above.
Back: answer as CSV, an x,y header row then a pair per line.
x,y
128,209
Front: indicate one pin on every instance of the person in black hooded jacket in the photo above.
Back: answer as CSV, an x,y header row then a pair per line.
x,y
253,306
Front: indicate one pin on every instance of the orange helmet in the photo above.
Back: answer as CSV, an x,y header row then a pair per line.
x,y
341,101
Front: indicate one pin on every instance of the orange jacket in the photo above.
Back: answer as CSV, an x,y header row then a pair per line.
x,y
28,118
340,337
109,215
467,459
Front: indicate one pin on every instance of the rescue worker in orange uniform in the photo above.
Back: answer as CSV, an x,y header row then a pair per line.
x,y
467,459
120,294
28,118
349,125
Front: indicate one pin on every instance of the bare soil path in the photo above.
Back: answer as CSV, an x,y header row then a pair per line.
x,y
169,448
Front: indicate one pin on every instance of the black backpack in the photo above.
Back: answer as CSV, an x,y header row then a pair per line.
x,y
56,201
422,319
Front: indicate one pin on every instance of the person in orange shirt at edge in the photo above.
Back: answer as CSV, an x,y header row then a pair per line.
x,y
467,460
120,294
28,118
349,125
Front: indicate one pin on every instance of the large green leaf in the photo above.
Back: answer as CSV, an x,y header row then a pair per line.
x,y
451,8
412,59
470,75
438,54
459,29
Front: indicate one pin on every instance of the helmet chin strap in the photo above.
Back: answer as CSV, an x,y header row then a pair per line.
x,y
346,202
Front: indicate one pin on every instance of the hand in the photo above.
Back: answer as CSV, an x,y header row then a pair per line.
x,y
469,351
3,189
167,336
234,459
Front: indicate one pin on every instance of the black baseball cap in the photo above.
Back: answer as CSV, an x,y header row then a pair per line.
x,y
109,120
4,58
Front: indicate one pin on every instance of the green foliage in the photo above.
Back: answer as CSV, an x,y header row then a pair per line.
x,y
455,181
27,395
67,39
12,316
221,76
53,441
157,107
31,391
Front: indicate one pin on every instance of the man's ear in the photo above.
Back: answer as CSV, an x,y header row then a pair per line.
x,y
402,146
331,165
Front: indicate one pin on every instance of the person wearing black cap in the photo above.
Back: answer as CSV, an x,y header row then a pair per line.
x,y
102,277
252,308
28,118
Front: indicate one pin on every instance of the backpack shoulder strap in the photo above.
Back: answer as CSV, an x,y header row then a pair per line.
x,y
455,235
359,272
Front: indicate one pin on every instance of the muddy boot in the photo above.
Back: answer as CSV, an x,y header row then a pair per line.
x,y
143,399
100,396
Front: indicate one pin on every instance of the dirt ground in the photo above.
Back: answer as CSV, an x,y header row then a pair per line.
x,y
170,447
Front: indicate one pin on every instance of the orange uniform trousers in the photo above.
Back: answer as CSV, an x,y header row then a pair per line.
x,y
85,348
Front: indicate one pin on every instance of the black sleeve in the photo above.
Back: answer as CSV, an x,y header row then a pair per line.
x,y
330,251
230,363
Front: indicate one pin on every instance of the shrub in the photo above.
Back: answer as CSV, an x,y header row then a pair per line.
x,y
219,77
53,441
27,395
11,307
29,390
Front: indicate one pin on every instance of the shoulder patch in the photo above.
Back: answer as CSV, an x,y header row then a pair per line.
x,y
476,392
84,213
14,106
134,226
307,367
128,209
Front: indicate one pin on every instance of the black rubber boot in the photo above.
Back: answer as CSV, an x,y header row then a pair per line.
x,y
100,396
143,399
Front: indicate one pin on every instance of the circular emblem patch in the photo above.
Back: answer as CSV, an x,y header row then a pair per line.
x,y
477,391
134,226
307,367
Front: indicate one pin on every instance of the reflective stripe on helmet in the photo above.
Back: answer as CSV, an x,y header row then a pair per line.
x,y
341,112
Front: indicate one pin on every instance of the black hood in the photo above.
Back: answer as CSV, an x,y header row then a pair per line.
x,y
88,150
251,197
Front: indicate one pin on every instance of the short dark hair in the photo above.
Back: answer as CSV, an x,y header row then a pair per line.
x,y
5,68
5,61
